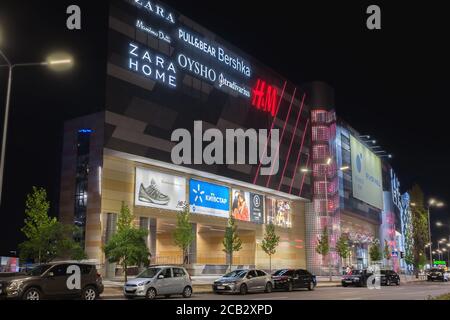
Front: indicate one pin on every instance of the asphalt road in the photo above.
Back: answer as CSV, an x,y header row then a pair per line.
x,y
409,291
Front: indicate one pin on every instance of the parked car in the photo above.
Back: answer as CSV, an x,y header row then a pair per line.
x,y
389,277
289,279
356,278
159,281
436,274
243,281
51,281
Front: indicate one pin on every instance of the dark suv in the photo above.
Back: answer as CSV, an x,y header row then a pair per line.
x,y
58,280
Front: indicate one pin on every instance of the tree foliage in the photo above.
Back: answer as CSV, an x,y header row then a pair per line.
x,y
387,250
343,246
183,234
127,247
270,242
231,242
323,246
419,216
374,252
47,239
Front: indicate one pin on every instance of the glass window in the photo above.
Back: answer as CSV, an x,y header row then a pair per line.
x,y
85,268
59,270
284,272
167,273
149,273
261,273
252,274
236,274
178,273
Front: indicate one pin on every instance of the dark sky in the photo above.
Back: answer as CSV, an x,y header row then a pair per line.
x,y
391,83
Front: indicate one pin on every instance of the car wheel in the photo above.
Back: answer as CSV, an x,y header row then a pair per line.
x,y
89,293
151,294
187,292
32,294
388,282
243,289
268,288
311,286
398,282
289,287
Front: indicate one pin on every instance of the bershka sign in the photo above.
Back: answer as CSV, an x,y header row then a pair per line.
x,y
155,9
218,52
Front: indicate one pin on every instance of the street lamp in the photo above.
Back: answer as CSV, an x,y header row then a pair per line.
x,y
57,61
432,203
327,166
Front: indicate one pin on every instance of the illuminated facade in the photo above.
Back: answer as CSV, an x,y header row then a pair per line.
x,y
166,73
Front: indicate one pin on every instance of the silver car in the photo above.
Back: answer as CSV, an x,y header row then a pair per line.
x,y
159,281
243,281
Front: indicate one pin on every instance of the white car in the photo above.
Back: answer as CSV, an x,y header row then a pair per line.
x,y
159,281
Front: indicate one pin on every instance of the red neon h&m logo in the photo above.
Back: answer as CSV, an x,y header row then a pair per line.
x,y
264,97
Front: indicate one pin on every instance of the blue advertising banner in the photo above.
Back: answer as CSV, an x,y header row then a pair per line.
x,y
208,198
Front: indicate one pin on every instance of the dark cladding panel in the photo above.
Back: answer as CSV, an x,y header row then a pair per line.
x,y
165,72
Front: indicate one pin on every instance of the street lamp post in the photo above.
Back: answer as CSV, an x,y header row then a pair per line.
x,y
11,67
431,202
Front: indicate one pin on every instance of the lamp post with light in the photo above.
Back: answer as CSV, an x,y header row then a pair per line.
x,y
51,62
431,203
327,167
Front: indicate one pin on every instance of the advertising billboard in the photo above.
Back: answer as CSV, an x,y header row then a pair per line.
x,y
159,190
278,212
366,174
247,206
208,198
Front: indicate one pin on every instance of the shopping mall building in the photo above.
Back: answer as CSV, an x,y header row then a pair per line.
x,y
167,77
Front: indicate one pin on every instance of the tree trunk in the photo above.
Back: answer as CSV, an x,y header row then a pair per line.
x,y
270,263
125,272
231,260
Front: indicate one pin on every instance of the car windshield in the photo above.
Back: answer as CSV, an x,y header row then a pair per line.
x,y
285,272
236,274
149,273
39,270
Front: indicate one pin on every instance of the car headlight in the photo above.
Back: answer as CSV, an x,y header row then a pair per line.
x,y
15,285
142,284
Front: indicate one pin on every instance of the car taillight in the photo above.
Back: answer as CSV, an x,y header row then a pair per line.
x,y
99,275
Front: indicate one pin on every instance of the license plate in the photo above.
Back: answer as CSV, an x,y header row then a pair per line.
x,y
220,287
434,276
348,281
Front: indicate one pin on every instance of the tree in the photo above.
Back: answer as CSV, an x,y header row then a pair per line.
x,y
231,242
47,239
419,217
387,250
127,246
374,252
270,243
343,247
323,247
183,234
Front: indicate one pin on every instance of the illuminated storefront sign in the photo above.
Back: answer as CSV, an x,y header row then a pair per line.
x,y
278,212
396,195
197,68
157,34
439,263
223,81
247,206
264,97
236,63
152,65
159,190
208,198
155,9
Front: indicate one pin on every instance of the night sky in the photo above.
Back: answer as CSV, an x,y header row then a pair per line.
x,y
392,83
